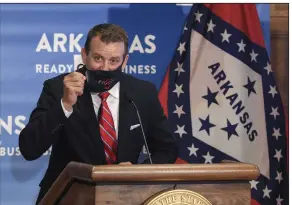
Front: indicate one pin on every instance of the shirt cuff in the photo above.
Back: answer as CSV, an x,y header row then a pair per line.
x,y
67,113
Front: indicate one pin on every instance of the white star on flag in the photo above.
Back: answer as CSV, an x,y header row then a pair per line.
x,y
208,158
279,177
278,154
279,200
179,110
274,112
179,68
266,192
178,90
273,91
276,133
180,130
253,184
181,48
241,46
198,16
193,150
268,68
253,56
225,36
211,26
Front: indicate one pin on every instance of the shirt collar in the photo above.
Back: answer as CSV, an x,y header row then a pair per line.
x,y
115,91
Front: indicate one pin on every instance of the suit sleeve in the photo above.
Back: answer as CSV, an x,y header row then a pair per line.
x,y
163,145
45,122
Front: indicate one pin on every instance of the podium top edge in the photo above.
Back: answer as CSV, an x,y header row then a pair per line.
x,y
163,172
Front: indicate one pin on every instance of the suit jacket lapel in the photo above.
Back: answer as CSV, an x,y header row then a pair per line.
x,y
126,111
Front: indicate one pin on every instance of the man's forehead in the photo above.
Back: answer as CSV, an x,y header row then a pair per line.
x,y
98,46
97,40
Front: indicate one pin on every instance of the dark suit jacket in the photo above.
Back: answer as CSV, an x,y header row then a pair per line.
x,y
77,138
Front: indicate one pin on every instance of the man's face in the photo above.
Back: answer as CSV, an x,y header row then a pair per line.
x,y
102,56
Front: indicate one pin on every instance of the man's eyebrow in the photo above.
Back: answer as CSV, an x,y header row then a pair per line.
x,y
95,53
115,57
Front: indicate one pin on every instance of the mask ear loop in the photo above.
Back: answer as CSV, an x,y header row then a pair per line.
x,y
80,65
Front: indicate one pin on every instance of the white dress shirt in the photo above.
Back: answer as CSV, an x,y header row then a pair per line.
x,y
112,102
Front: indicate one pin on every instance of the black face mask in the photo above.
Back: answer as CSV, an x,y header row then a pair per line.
x,y
101,81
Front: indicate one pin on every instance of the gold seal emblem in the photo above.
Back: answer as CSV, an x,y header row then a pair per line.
x,y
177,197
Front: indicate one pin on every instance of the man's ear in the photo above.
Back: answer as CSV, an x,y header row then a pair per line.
x,y
125,61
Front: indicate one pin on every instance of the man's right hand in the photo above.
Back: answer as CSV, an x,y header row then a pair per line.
x,y
73,86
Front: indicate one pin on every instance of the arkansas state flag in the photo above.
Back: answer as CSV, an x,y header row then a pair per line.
x,y
222,100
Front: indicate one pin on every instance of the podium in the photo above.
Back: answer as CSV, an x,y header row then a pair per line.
x,y
83,184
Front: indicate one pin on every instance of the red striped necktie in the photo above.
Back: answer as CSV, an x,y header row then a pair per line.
x,y
107,129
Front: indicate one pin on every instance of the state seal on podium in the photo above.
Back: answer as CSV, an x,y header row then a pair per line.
x,y
177,197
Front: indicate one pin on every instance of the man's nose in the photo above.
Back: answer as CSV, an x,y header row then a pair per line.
x,y
105,66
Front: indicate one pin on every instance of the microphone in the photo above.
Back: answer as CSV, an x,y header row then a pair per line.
x,y
140,121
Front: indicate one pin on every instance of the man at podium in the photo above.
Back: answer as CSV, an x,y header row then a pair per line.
x,y
97,114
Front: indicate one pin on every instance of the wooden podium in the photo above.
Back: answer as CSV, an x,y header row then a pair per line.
x,y
82,184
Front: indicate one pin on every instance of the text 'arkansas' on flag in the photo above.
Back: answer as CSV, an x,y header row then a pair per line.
x,y
222,100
